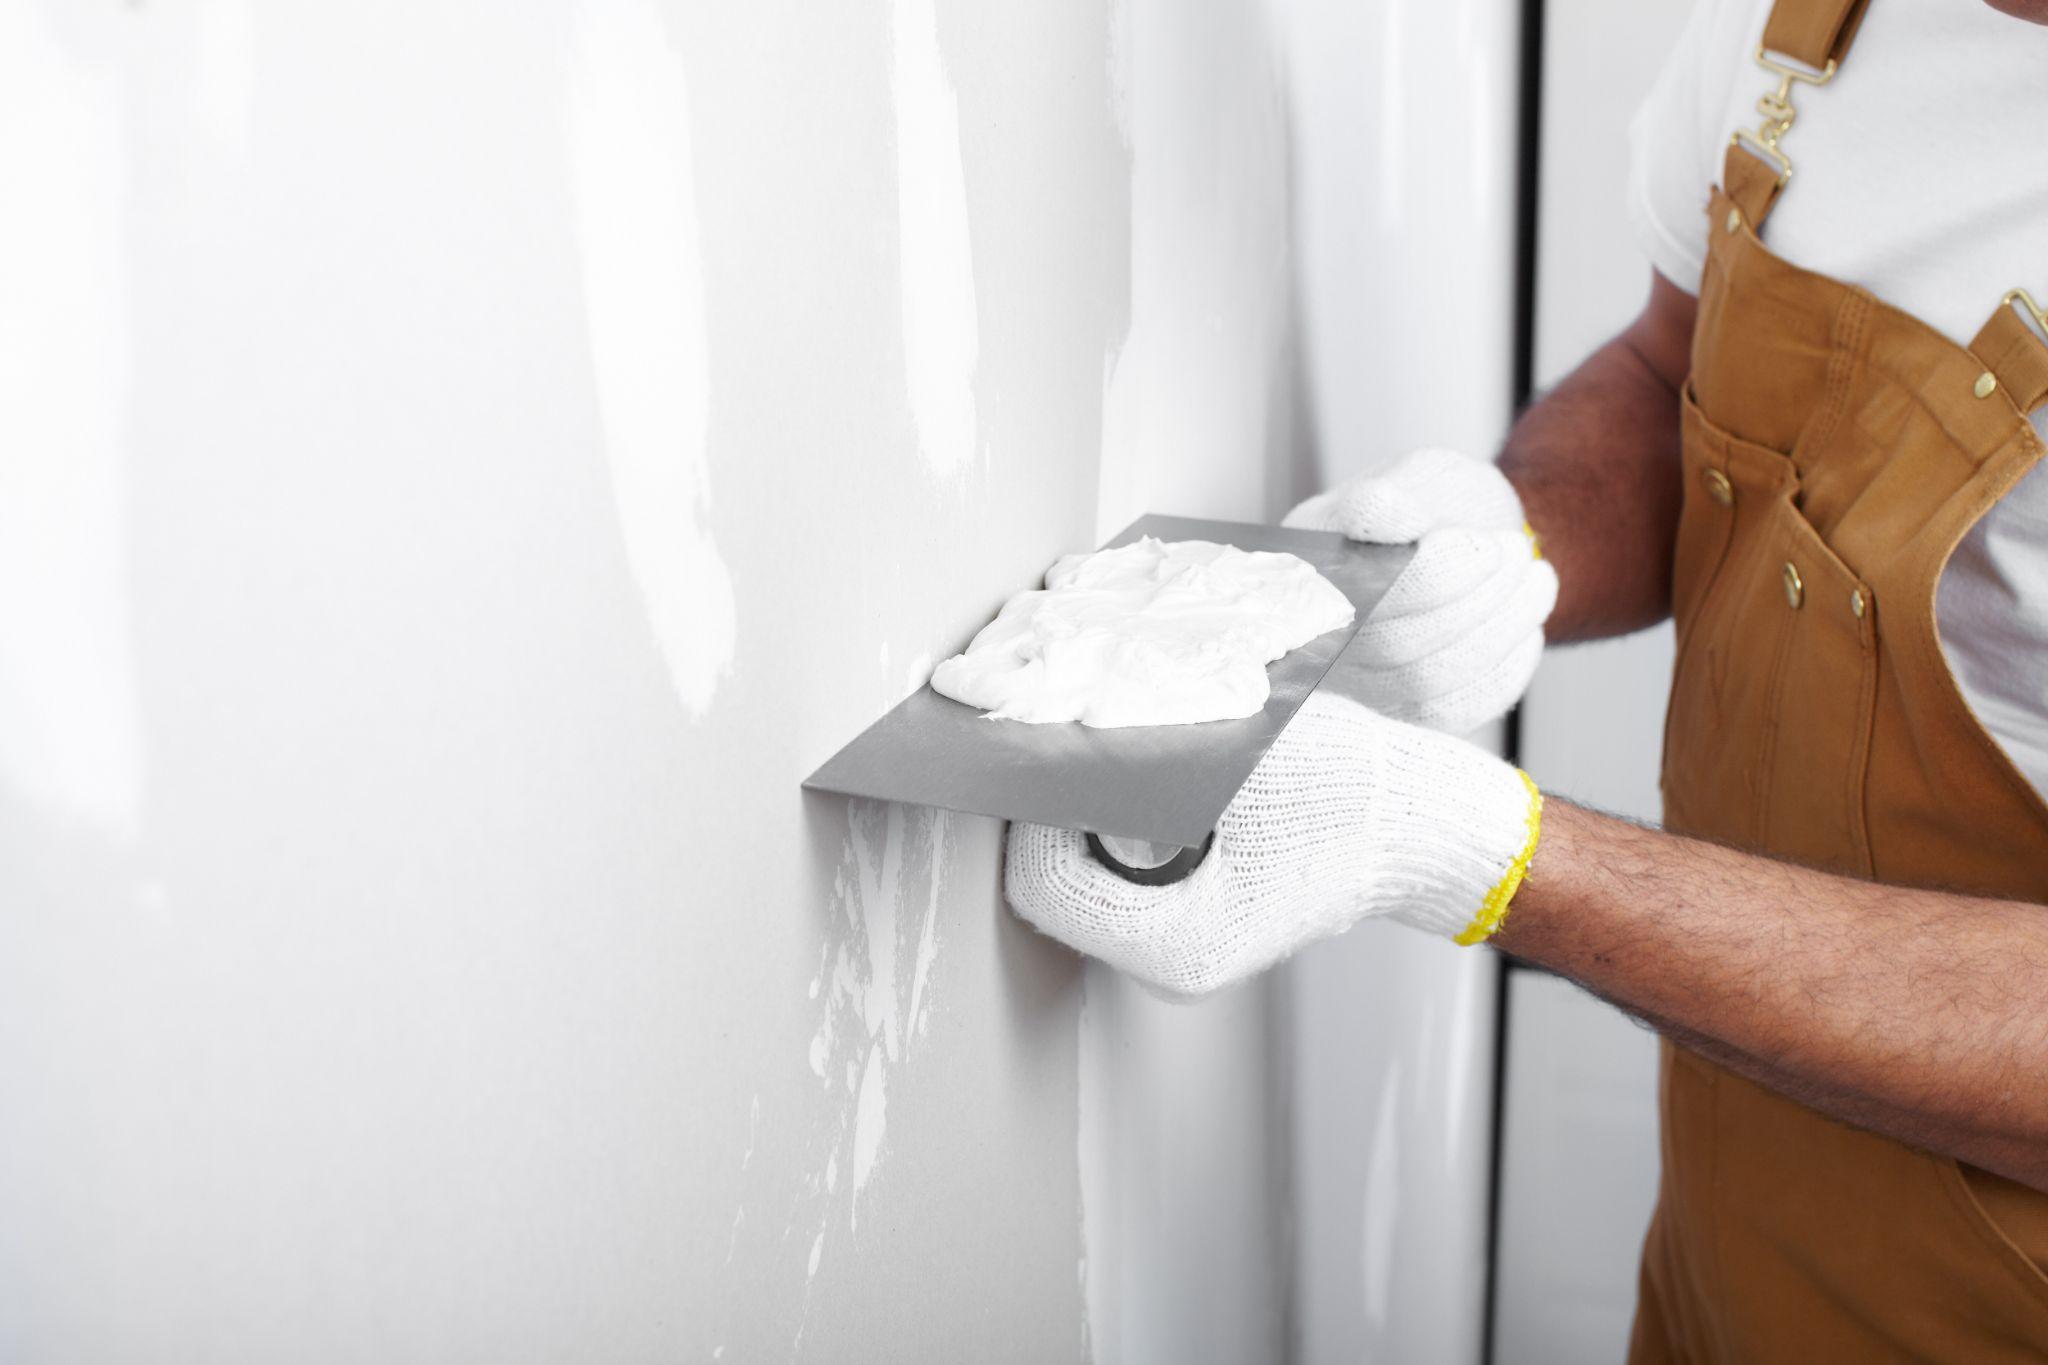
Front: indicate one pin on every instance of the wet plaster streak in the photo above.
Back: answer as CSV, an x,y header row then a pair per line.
x,y
936,267
875,1003
873,996
643,291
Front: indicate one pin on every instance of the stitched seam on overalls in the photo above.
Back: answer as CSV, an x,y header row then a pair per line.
x,y
1907,385
2004,1250
1858,795
2017,345
1848,333
1774,691
1852,332
1909,388
2004,365
1715,443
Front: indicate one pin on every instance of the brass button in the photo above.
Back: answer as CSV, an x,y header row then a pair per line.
x,y
1718,487
1987,384
1734,219
1795,591
1857,604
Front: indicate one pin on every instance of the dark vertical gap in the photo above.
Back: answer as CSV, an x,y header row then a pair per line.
x,y
1528,167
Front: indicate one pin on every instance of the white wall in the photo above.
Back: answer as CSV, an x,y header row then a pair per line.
x,y
1580,1157
1404,116
462,465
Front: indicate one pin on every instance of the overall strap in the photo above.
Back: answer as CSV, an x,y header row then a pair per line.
x,y
1804,43
1814,32
2014,349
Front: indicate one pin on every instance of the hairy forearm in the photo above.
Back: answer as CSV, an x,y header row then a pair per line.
x,y
1596,462
1917,1014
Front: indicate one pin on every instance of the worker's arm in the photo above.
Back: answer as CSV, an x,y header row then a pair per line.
x,y
1917,1014
1596,463
1592,469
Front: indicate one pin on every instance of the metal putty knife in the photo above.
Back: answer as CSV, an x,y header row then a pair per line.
x,y
1156,784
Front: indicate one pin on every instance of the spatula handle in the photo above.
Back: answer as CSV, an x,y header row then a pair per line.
x,y
1176,868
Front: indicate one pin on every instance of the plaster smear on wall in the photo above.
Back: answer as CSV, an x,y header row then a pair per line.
x,y
70,719
941,340
643,291
873,996
1201,112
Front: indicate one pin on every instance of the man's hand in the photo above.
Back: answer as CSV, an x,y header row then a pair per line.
x,y
1349,814
1457,638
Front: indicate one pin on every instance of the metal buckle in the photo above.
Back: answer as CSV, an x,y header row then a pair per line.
x,y
1757,147
1779,114
2026,301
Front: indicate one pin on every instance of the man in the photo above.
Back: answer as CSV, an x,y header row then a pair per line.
x,y
1810,448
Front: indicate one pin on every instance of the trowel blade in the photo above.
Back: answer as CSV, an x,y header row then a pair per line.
x,y
1165,783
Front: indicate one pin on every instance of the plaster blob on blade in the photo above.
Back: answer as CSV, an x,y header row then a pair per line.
x,y
1152,633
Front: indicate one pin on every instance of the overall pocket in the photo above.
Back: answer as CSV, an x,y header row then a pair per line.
x,y
1816,744
1767,739
1721,522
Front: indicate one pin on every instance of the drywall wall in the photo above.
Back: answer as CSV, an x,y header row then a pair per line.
x,y
1322,251
463,465
1183,1114
1404,117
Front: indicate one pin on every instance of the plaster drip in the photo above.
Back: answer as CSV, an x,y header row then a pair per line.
x,y
873,991
643,290
935,266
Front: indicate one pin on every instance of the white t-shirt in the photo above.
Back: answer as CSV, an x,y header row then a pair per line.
x,y
1922,175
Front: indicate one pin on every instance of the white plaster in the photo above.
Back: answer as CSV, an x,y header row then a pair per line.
x,y
70,725
870,1119
643,289
884,949
1151,633
919,1012
936,267
821,1044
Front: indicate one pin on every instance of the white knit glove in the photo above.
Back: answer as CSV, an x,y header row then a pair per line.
x,y
1457,638
1349,814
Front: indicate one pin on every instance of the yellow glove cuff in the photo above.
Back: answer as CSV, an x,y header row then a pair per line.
x,y
1494,908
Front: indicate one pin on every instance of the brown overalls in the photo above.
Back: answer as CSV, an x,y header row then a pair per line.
x,y
1836,450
